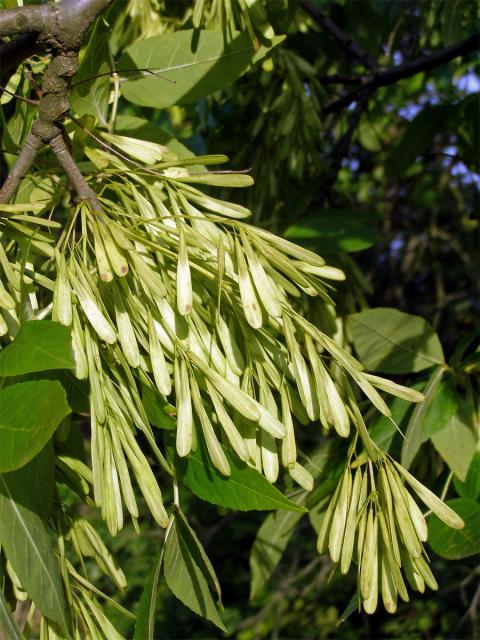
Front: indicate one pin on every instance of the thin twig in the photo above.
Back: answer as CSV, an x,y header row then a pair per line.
x,y
68,164
390,76
350,46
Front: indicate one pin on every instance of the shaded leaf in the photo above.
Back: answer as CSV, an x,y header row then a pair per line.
x,y
156,414
145,623
33,485
455,544
179,68
40,345
185,576
270,543
471,487
442,407
415,435
390,341
456,443
26,542
31,411
245,489
419,134
333,230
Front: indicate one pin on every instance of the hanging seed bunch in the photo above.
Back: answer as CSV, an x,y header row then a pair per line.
x,y
374,520
281,129
236,15
167,288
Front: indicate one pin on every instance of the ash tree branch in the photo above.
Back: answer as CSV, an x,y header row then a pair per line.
x,y
350,46
24,162
390,76
60,29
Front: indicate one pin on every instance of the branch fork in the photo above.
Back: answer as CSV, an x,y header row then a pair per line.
x,y
60,29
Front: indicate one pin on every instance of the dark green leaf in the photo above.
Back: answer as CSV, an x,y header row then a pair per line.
x,y
91,86
270,543
414,435
185,577
33,485
352,606
244,490
179,68
456,443
40,345
419,135
26,542
442,407
455,544
145,624
390,341
332,231
31,411
154,408
471,487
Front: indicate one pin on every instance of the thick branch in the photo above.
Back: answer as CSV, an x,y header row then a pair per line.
x,y
75,17
62,25
390,76
32,19
22,166
350,46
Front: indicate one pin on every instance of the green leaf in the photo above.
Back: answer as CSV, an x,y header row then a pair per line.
x,y
244,490
419,134
391,341
442,407
31,411
270,543
471,487
185,574
456,443
181,67
156,414
40,345
331,231
352,606
415,435
7,623
33,485
455,544
145,624
26,542
91,86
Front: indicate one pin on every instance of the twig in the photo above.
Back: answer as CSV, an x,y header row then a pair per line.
x,y
21,168
390,76
350,46
68,164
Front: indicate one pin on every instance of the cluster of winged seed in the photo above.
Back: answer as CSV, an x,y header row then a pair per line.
x,y
167,289
374,519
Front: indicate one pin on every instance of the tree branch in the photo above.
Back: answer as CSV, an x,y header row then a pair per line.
x,y
31,19
390,76
21,168
350,46
68,164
